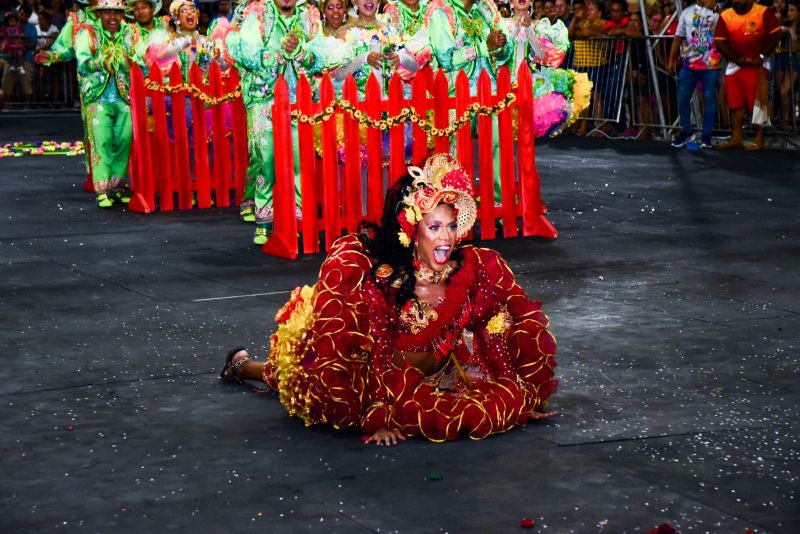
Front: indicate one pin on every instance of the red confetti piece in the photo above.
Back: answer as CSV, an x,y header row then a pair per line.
x,y
665,528
750,531
527,523
69,428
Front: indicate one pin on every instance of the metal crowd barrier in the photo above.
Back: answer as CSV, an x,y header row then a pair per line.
x,y
50,87
634,92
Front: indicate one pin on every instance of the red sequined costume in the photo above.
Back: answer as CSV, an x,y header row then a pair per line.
x,y
331,359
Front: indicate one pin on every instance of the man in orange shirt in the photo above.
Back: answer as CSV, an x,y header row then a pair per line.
x,y
747,34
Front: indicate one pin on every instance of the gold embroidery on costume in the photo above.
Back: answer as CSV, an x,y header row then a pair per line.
x,y
384,270
416,315
500,323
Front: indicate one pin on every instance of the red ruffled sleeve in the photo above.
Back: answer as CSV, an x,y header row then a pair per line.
x,y
383,328
512,331
355,318
318,356
341,323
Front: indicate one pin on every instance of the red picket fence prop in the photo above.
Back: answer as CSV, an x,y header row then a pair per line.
x,y
338,196
165,168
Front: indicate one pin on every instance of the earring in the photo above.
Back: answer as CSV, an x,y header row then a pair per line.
x,y
415,260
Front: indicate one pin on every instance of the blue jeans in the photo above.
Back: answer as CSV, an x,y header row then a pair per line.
x,y
687,82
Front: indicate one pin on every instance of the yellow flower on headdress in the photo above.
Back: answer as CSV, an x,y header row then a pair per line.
x,y
413,214
404,239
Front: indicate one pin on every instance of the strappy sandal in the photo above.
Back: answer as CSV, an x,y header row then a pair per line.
x,y
230,371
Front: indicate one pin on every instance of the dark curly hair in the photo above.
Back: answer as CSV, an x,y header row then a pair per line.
x,y
385,246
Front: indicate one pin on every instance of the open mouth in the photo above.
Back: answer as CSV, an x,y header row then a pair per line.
x,y
369,7
441,254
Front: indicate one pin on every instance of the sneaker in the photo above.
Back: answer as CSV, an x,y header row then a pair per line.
x,y
706,142
104,202
21,71
12,69
681,139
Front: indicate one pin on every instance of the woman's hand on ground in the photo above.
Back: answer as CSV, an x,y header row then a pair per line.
x,y
385,437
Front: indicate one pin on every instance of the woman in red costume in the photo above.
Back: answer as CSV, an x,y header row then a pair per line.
x,y
408,332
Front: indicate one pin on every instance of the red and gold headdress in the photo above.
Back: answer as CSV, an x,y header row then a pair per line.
x,y
442,180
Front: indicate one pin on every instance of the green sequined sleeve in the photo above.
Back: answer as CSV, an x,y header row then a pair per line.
x,y
61,49
88,62
449,55
246,46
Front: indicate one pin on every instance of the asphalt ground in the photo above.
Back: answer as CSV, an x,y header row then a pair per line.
x,y
672,290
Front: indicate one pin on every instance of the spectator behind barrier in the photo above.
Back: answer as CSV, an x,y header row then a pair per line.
x,y
616,25
46,32
639,79
45,79
538,10
700,64
20,72
57,12
33,9
224,10
779,9
563,12
747,35
590,56
550,11
667,87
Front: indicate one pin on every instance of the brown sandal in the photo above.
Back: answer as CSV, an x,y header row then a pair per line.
x,y
230,372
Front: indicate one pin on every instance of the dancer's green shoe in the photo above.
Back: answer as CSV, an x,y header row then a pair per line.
x,y
248,215
104,202
263,233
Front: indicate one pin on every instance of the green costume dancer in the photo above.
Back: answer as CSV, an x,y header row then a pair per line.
x,y
273,40
103,64
63,49
407,16
143,25
467,35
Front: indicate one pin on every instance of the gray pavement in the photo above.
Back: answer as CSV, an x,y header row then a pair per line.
x,y
672,290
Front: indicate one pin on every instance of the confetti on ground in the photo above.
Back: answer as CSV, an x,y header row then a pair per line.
x,y
527,523
41,148
434,476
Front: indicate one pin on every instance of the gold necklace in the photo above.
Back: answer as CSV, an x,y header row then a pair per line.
x,y
426,274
